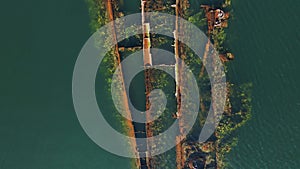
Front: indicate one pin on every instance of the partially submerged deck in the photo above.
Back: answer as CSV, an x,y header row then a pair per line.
x,y
216,18
131,131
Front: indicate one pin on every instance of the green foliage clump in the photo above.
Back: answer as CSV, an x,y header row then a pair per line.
x,y
97,13
227,3
199,20
219,37
240,100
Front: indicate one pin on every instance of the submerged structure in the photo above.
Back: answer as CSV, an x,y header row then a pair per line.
x,y
216,18
188,154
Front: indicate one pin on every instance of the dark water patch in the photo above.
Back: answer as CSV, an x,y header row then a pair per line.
x,y
267,56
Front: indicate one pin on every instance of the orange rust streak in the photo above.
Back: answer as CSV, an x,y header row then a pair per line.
x,y
205,57
125,100
179,159
147,62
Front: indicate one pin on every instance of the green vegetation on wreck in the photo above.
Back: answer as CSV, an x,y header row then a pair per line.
x,y
98,14
238,104
98,17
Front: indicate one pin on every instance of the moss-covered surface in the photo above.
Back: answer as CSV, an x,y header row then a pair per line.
x,y
212,153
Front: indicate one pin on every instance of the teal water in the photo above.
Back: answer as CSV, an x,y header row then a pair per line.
x,y
40,41
265,38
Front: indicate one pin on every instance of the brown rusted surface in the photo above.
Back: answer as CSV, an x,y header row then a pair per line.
x,y
223,58
214,19
129,124
178,95
179,57
146,52
178,153
205,57
147,62
210,16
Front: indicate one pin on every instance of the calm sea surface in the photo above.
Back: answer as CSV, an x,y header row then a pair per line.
x,y
264,35
40,41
